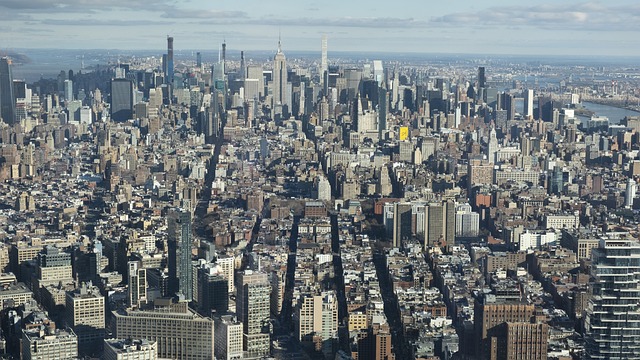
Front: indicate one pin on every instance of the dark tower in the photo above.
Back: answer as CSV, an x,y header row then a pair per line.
x,y
482,80
7,98
179,259
121,100
169,60
224,56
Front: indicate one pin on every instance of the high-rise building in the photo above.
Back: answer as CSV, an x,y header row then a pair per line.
x,y
467,221
227,270
440,227
492,147
213,291
121,100
179,257
324,188
630,193
324,66
179,332
53,267
68,91
482,79
253,307
137,284
7,98
508,330
401,223
169,73
316,316
280,78
613,313
374,343
86,316
228,338
528,103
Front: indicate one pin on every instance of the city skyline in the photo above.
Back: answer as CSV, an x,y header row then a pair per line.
x,y
498,27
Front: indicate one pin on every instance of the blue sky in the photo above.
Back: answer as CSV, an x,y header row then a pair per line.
x,y
562,27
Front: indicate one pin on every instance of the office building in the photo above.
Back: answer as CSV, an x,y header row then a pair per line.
x,y
130,349
528,103
630,193
316,317
137,276
324,66
279,85
482,79
68,91
169,72
179,257
374,343
121,100
178,332
213,294
227,270
228,338
440,227
613,313
7,97
46,342
53,267
86,316
402,219
467,221
253,307
507,329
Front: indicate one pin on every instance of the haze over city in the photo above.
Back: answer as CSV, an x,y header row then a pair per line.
x,y
463,26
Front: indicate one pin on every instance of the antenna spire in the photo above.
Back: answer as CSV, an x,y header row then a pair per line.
x,y
279,41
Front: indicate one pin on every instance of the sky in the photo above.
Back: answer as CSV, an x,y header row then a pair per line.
x,y
561,27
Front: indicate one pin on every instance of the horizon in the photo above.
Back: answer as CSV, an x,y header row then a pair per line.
x,y
573,27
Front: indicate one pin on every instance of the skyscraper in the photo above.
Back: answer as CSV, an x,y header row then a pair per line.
x,y
179,259
253,309
508,330
121,100
482,80
630,193
169,74
279,80
401,223
492,147
316,316
528,103
68,91
612,320
7,98
137,284
440,224
85,315
324,66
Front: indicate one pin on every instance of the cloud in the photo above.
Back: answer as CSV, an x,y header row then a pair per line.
x,y
176,13
581,16
47,6
354,22
93,22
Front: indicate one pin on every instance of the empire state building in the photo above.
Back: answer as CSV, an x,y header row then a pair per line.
x,y
279,81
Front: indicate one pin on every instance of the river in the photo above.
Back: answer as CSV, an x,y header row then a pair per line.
x,y
614,114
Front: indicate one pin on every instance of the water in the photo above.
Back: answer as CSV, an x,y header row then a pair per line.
x,y
613,113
